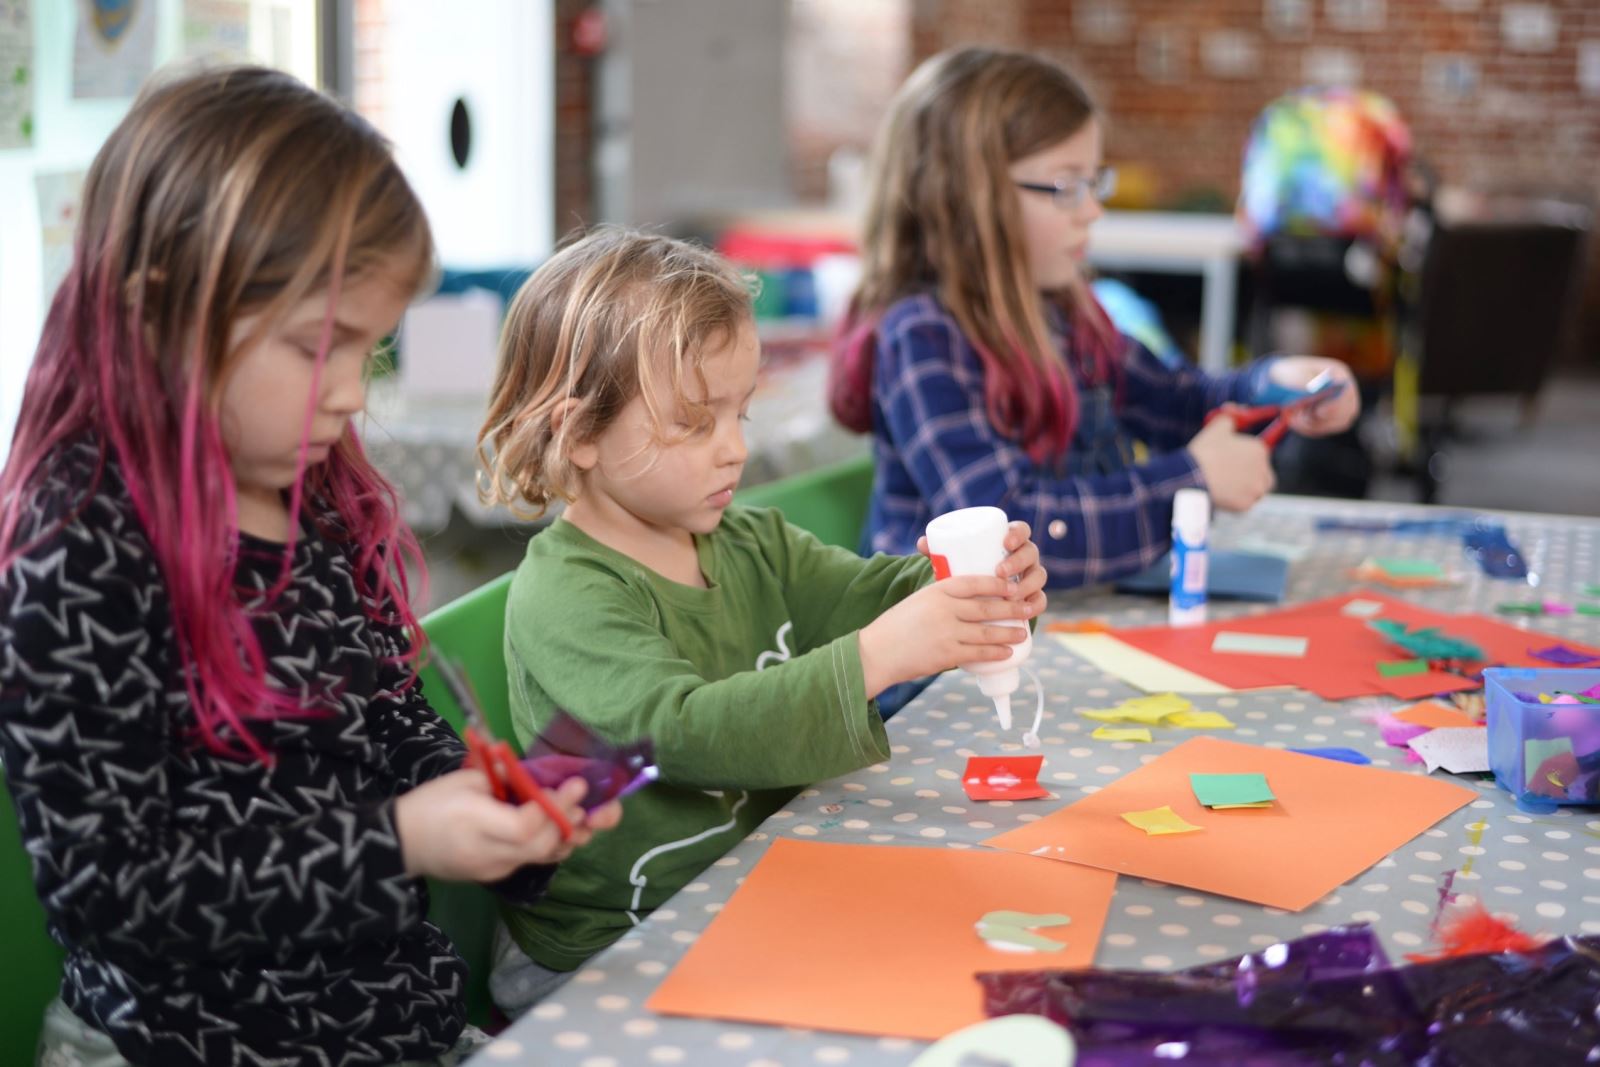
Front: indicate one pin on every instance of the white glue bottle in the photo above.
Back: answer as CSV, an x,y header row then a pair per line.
x,y
1191,518
972,541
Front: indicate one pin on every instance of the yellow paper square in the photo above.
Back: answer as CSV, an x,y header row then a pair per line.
x,y
1123,733
1162,703
1162,820
1201,720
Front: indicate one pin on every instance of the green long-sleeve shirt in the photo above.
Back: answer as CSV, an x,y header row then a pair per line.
x,y
750,689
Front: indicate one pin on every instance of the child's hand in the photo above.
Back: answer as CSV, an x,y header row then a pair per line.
x,y
1020,568
1330,416
453,828
1237,467
951,622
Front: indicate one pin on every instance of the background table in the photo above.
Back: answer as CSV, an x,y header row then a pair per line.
x,y
426,445
1544,870
1172,242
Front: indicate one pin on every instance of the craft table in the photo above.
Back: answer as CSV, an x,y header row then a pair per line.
x,y
1543,870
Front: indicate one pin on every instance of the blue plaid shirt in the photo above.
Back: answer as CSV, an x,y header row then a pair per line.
x,y
1096,515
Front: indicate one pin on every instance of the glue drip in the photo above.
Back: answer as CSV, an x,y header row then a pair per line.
x,y
1002,707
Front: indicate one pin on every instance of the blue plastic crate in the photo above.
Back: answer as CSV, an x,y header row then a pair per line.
x,y
1527,737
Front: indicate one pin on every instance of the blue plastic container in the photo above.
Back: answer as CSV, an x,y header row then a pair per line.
x,y
1544,755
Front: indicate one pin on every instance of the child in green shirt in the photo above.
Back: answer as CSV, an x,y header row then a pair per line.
x,y
748,651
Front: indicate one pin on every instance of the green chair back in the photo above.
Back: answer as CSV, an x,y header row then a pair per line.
x,y
470,630
33,961
830,502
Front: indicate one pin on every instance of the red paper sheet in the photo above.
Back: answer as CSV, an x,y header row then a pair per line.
x,y
1342,651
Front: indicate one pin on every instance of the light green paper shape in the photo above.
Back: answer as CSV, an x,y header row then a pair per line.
x,y
1409,568
1014,930
1230,790
1259,644
1401,668
1535,750
1005,1041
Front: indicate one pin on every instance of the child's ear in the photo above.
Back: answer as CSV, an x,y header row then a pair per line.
x,y
581,454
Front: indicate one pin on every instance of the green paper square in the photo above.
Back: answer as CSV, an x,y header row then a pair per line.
x,y
1410,568
1214,789
1402,668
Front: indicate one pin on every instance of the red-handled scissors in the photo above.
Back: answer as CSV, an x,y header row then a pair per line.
x,y
1243,418
509,780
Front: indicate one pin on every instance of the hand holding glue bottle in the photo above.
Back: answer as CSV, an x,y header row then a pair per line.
x,y
975,616
972,541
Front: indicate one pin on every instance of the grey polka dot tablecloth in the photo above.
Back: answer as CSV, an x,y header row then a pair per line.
x,y
1542,870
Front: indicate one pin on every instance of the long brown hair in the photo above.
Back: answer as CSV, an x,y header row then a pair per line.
x,y
942,215
221,194
613,315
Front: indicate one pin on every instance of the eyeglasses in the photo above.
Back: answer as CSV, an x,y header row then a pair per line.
x,y
1069,193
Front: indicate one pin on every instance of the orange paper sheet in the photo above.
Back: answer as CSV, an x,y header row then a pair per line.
x,y
1434,715
1331,822
880,940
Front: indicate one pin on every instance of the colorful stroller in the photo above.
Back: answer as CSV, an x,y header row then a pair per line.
x,y
1324,200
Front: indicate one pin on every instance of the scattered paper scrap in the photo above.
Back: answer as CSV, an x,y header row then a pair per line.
x,y
1162,820
1121,733
1259,644
1362,609
1458,749
1559,653
1162,709
1077,626
1340,755
1012,931
1231,790
1401,668
1426,642
1434,716
1200,720
1003,778
1371,570
1146,711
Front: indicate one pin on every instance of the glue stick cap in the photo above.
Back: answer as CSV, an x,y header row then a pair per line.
x,y
1191,514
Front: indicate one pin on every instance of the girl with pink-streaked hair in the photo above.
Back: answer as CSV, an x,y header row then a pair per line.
x,y
228,778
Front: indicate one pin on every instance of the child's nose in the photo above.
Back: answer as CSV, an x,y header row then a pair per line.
x,y
345,389
731,448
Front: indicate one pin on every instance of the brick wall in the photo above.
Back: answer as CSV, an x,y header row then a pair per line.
x,y
1182,82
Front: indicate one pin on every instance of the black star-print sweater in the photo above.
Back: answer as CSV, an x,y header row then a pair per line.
x,y
218,911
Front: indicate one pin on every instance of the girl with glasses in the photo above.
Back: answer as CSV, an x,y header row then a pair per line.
x,y
979,360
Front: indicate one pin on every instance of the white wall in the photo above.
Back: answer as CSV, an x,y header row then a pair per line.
x,y
497,57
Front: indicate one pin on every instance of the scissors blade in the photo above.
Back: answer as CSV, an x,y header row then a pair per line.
x,y
455,680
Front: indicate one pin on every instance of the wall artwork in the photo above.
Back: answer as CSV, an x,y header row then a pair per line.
x,y
114,48
16,74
